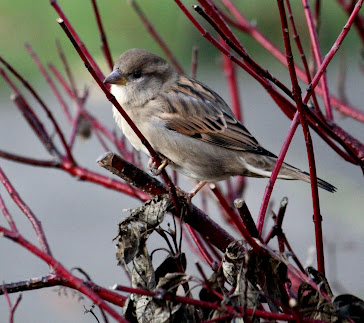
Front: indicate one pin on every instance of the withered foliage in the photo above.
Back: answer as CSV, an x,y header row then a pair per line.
x,y
242,280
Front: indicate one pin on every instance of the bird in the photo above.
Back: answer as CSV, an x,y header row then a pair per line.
x,y
188,124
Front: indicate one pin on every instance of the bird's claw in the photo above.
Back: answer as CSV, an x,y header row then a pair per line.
x,y
153,167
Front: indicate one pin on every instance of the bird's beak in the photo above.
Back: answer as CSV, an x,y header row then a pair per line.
x,y
115,77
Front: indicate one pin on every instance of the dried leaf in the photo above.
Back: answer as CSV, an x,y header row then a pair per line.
x,y
128,240
145,309
349,306
143,272
153,211
136,227
171,265
232,261
172,281
312,302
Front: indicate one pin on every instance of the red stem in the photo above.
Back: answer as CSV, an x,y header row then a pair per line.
x,y
77,39
206,255
236,220
230,74
277,167
296,37
358,21
42,104
66,68
226,308
87,175
37,225
54,280
49,81
156,36
96,124
323,65
281,101
29,161
8,216
306,132
244,25
62,272
318,57
105,45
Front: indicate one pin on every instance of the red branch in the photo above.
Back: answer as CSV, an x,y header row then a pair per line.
x,y
105,45
156,36
307,135
61,271
244,25
317,52
37,225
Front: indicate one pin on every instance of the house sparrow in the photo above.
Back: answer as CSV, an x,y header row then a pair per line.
x,y
188,123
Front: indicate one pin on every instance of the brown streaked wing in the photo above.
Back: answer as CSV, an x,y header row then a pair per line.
x,y
195,110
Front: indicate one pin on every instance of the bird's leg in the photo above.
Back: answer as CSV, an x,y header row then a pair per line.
x,y
188,196
157,170
196,189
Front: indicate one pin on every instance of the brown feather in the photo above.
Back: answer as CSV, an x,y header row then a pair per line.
x,y
197,111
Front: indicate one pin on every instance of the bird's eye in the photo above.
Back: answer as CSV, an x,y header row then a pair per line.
x,y
137,74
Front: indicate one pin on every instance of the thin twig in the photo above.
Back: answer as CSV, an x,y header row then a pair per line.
x,y
62,272
105,45
308,140
152,31
37,225
206,255
237,220
43,105
318,57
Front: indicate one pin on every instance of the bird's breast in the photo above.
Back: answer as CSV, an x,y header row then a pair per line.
x,y
128,131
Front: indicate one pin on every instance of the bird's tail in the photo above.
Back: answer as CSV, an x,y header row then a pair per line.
x,y
290,172
263,167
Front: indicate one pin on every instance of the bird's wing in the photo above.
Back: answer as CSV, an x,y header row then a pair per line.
x,y
195,110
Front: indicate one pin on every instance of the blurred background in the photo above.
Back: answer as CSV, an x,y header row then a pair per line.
x,y
80,219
